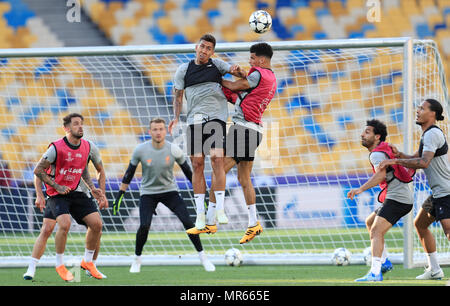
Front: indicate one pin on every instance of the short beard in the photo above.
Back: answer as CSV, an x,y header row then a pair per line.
x,y
77,136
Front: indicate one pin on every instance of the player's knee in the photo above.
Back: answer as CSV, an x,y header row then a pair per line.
x,y
64,226
244,180
419,225
198,164
96,226
375,232
46,230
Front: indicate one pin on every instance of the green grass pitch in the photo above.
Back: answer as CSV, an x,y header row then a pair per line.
x,y
251,275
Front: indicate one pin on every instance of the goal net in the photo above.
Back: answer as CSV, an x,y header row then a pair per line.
x,y
311,154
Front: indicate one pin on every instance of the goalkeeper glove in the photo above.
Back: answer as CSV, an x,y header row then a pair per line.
x,y
118,201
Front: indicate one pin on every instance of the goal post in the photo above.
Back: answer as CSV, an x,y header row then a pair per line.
x,y
310,157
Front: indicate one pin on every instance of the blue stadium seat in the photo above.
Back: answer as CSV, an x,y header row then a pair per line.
x,y
8,132
397,115
179,38
32,113
423,31
376,111
301,101
18,15
102,116
65,98
317,132
11,101
281,31
320,35
46,67
343,120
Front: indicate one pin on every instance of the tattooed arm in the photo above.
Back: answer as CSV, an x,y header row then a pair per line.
x,y
40,172
177,105
414,163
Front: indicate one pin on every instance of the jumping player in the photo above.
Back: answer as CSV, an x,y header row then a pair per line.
x,y
207,113
251,96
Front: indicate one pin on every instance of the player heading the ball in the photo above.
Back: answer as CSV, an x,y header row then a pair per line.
x,y
207,113
251,95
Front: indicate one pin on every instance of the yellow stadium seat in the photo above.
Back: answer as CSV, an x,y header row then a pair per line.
x,y
166,25
423,4
96,10
203,25
317,4
210,5
410,8
148,8
336,8
435,19
443,3
229,33
4,7
191,33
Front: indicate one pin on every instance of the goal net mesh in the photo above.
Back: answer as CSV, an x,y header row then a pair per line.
x,y
310,157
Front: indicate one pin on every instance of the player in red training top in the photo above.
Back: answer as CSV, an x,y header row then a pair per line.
x,y
70,158
251,96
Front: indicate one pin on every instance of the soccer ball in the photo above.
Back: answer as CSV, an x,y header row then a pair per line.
x,y
367,256
260,21
341,257
233,257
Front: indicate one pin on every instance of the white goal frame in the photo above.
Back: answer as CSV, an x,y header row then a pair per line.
x,y
406,43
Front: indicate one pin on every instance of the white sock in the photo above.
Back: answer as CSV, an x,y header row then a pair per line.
x,y
384,255
220,199
211,214
376,265
59,259
432,261
32,265
202,255
252,219
88,255
138,258
200,202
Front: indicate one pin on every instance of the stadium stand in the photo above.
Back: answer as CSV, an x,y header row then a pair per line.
x,y
136,22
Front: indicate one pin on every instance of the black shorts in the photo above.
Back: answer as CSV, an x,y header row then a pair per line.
x,y
173,201
392,210
439,208
201,138
242,143
48,213
77,204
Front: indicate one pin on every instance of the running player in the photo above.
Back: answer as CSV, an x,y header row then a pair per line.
x,y
395,196
157,158
70,157
207,113
49,220
251,96
432,157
